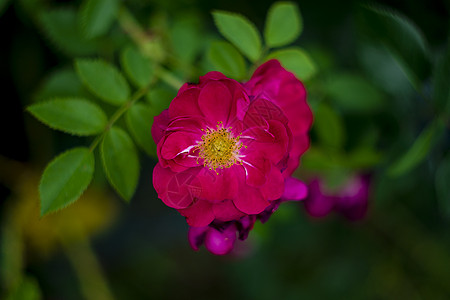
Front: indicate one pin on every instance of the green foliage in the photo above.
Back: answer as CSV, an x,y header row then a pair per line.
x,y
353,93
120,161
296,60
3,6
62,28
417,152
137,67
59,84
240,32
186,37
227,59
284,24
104,80
139,120
97,16
65,179
329,127
441,83
442,185
28,289
401,37
11,254
72,115
160,98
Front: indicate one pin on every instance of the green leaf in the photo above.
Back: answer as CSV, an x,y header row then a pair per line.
x,y
227,59
441,83
403,39
442,185
240,32
186,37
62,28
329,127
417,152
139,120
120,161
61,83
65,178
28,289
160,98
3,6
104,80
97,16
318,160
362,158
138,68
284,24
296,60
353,93
73,115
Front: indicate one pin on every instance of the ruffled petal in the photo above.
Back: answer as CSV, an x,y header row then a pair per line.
x,y
274,187
219,186
250,200
159,126
185,104
198,214
226,211
215,102
294,189
178,142
273,142
174,189
256,167
213,75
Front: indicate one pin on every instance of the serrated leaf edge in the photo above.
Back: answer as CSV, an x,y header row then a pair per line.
x,y
62,130
128,200
71,202
246,20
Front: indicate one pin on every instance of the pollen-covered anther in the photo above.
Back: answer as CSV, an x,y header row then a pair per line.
x,y
219,148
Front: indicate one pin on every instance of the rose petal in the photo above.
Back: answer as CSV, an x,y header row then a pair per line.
x,y
256,167
159,126
317,204
178,142
196,236
219,186
198,214
174,189
249,200
215,102
185,104
220,242
274,186
294,189
226,211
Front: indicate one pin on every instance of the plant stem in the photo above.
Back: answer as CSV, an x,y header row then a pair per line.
x,y
116,116
88,269
169,78
142,40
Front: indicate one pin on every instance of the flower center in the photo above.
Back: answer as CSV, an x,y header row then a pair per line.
x,y
219,148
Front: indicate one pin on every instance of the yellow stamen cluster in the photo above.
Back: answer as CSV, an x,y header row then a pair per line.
x,y
219,148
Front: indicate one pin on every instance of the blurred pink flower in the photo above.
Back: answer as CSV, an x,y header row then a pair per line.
x,y
350,199
226,150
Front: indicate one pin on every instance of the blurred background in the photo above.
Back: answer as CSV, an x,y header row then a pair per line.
x,y
397,246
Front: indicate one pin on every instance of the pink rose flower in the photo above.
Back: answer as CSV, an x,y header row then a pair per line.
x,y
350,199
227,150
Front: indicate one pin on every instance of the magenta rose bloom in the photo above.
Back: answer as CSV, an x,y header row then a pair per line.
x,y
350,199
226,149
